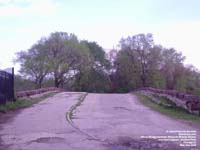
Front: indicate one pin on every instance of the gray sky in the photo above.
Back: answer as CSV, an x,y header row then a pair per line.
x,y
174,23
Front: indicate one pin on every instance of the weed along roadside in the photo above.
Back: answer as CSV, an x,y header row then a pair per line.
x,y
173,112
24,102
70,113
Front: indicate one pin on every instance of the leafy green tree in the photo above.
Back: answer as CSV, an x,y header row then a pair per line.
x,y
172,67
66,55
59,47
189,81
98,55
92,81
139,47
94,77
21,84
137,63
155,78
84,66
34,63
61,55
127,75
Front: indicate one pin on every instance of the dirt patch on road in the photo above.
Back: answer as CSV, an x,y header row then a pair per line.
x,y
8,117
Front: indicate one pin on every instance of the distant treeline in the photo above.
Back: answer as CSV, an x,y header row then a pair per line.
x,y
62,60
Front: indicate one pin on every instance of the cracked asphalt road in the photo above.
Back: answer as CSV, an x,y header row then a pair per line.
x,y
104,122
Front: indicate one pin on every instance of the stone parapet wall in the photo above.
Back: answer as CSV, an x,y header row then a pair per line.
x,y
34,92
187,101
174,93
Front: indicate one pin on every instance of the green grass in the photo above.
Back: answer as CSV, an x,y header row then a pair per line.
x,y
70,113
174,112
164,100
24,102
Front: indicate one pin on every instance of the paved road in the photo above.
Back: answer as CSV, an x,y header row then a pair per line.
x,y
102,122
42,126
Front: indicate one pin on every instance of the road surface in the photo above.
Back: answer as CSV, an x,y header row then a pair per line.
x,y
102,122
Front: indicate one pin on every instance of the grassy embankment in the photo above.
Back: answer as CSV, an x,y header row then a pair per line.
x,y
173,111
24,102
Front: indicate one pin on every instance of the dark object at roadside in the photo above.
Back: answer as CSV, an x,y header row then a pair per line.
x,y
2,99
6,85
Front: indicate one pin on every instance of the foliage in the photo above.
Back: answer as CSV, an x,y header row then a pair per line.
x,y
94,78
22,84
34,63
172,67
92,81
137,63
23,102
141,63
70,113
175,112
56,55
84,66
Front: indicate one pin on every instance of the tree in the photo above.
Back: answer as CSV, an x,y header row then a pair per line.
x,y
139,47
155,78
94,77
84,66
172,67
34,63
127,75
61,55
22,84
65,54
92,81
98,55
138,61
189,81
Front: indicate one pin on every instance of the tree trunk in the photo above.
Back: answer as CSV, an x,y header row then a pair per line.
x,y
56,82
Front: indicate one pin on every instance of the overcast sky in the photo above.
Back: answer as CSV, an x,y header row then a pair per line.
x,y
174,23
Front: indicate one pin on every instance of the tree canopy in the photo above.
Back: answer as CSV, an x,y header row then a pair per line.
x,y
85,66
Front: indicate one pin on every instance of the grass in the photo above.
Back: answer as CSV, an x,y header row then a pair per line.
x,y
24,102
165,101
174,112
70,113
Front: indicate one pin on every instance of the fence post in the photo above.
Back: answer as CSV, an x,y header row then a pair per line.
x,y
13,91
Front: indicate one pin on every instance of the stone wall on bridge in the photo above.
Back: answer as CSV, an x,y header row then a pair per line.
x,y
187,101
34,92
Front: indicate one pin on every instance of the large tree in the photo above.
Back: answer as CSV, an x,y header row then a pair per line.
x,y
98,56
139,47
95,77
34,63
138,61
65,54
126,76
84,66
60,55
172,67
